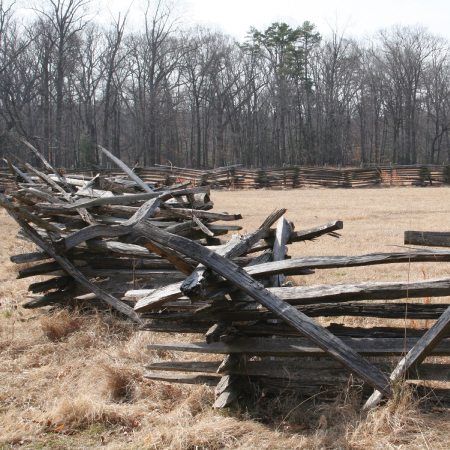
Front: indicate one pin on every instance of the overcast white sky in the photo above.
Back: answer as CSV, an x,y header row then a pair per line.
x,y
357,17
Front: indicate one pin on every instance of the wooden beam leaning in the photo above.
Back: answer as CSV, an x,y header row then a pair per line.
x,y
16,171
193,285
70,269
302,235
84,214
90,232
93,231
126,169
279,248
234,247
30,217
60,178
308,327
417,354
49,181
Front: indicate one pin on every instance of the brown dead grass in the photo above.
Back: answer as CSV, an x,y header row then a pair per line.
x,y
74,381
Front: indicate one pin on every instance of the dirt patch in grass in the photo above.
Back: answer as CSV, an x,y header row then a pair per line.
x,y
74,381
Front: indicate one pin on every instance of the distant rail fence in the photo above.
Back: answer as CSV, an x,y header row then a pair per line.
x,y
279,178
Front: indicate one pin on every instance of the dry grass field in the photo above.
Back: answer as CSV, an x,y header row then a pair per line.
x,y
73,381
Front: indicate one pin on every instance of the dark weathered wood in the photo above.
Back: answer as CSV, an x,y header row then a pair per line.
x,y
281,329
30,217
292,266
302,235
143,213
16,171
71,270
150,274
129,199
301,347
214,333
41,269
185,366
282,234
168,254
330,293
48,180
189,213
126,169
45,195
128,263
182,228
174,328
427,238
53,283
118,248
194,285
158,298
29,257
425,346
168,293
93,247
202,227
228,311
92,231
84,214
298,370
210,380
61,297
190,199
220,291
228,390
320,336
117,200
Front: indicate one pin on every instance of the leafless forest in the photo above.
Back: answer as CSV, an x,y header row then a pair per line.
x,y
164,91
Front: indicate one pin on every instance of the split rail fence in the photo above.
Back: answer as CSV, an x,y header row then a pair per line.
x,y
281,178
156,256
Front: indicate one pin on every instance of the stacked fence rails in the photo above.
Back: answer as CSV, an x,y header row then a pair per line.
x,y
290,177
262,329
154,254
6,179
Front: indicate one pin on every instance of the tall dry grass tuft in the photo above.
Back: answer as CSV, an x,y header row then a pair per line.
x,y
399,421
58,325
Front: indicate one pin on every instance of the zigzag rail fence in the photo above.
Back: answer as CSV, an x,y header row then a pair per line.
x,y
181,293
278,178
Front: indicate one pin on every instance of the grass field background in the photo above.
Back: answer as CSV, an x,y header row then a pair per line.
x,y
74,381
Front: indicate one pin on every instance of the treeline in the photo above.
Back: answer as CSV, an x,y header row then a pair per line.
x,y
162,92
